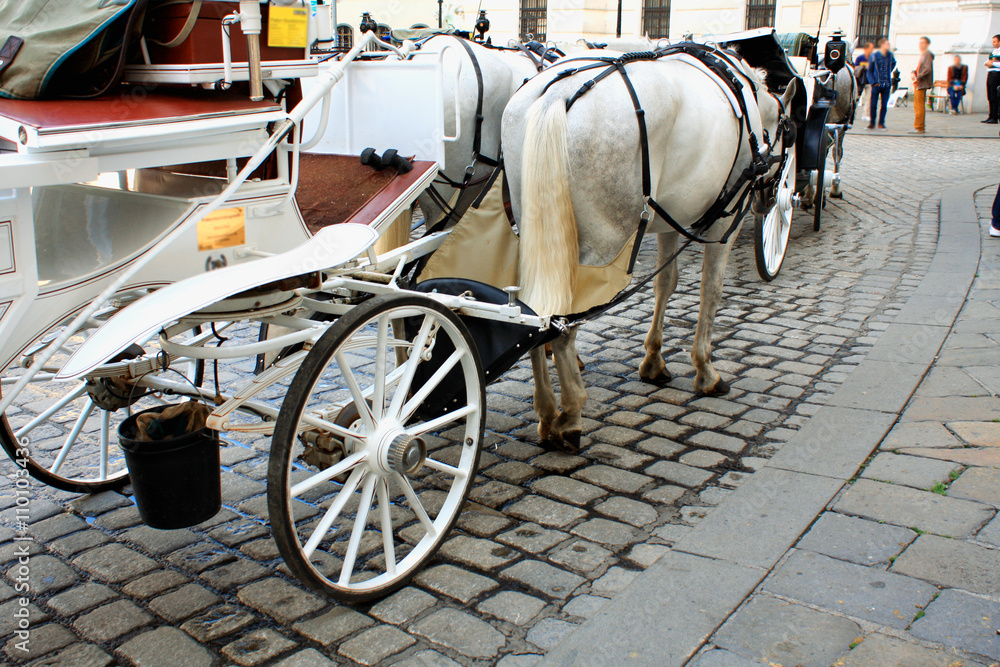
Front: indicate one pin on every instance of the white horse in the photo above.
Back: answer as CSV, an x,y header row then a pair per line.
x,y
843,112
503,72
575,182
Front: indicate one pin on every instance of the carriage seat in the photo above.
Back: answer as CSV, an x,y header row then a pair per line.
x,y
129,114
337,188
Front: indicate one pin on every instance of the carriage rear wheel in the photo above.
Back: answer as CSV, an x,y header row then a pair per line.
x,y
65,434
771,229
360,524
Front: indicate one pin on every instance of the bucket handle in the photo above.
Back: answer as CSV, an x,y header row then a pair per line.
x,y
163,361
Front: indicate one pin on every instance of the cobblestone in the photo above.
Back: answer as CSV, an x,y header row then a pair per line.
x,y
80,598
374,645
543,578
824,311
111,621
279,599
257,647
511,606
460,632
151,649
455,583
402,606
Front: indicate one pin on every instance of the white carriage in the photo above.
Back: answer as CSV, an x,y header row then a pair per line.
x,y
163,229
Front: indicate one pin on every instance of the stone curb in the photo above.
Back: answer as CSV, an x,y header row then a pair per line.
x,y
667,613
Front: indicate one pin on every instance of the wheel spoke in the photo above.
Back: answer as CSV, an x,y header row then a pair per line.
x,y
360,523
105,441
73,435
56,407
347,464
411,405
411,368
444,467
331,514
414,502
359,399
385,513
381,352
442,421
326,425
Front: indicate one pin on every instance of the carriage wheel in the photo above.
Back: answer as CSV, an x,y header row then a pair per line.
x,y
65,434
771,229
361,525
819,203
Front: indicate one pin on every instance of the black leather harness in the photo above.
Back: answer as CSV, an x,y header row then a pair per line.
x,y
719,63
750,178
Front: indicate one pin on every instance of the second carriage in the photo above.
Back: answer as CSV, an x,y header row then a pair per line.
x,y
822,110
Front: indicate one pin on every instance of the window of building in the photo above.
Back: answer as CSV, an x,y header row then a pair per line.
x,y
760,14
345,36
534,19
656,18
873,20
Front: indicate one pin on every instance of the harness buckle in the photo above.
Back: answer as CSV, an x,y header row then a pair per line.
x,y
470,171
645,215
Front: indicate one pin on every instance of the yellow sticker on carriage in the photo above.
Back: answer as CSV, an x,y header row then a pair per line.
x,y
287,27
224,228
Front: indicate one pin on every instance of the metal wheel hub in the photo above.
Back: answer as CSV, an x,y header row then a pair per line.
x,y
399,452
784,200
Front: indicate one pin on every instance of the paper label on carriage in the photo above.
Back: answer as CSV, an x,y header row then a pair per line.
x,y
288,27
224,228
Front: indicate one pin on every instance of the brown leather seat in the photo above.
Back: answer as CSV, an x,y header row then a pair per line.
x,y
129,106
338,188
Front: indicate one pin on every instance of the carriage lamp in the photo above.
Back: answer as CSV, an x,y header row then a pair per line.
x,y
367,24
482,26
836,52
407,454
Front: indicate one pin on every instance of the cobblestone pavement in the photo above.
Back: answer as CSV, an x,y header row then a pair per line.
x,y
547,537
900,121
902,568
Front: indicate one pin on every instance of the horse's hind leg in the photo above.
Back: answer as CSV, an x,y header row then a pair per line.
x,y
653,369
707,381
569,424
838,155
545,398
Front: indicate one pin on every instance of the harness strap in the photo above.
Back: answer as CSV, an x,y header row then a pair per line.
x,y
477,141
531,56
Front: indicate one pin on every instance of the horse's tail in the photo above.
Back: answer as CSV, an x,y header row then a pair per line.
x,y
550,249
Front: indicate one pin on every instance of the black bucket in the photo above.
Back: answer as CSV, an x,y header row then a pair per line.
x,y
177,482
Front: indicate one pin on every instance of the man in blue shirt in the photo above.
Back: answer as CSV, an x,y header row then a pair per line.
x,y
880,78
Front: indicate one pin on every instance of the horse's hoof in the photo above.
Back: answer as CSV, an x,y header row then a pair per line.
x,y
570,442
839,195
660,380
720,388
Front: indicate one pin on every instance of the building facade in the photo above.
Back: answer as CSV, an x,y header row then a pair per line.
x,y
955,27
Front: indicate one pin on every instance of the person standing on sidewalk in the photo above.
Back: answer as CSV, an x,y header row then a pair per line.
x,y
861,72
995,225
923,80
993,82
880,78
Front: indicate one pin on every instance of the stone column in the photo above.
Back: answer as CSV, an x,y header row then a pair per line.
x,y
980,21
